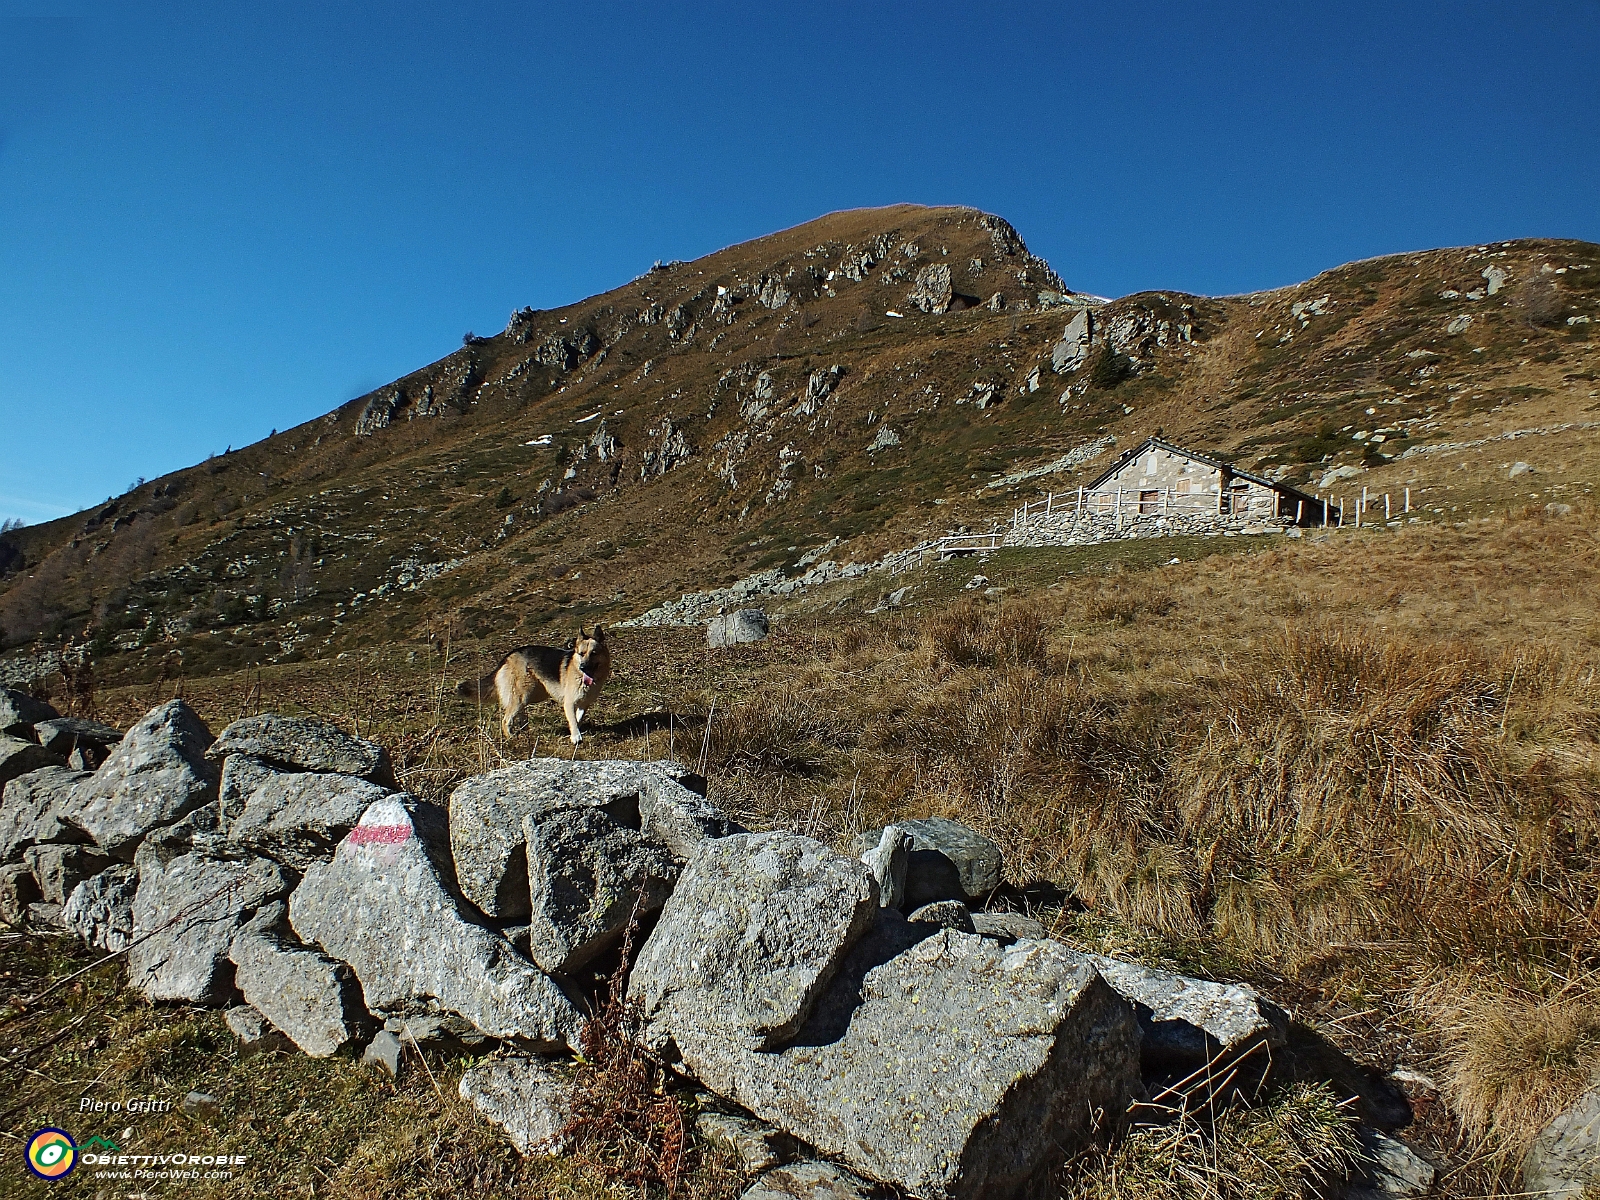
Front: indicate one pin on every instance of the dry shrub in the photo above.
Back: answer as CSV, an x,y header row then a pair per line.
x,y
1354,789
623,1119
1292,1146
777,730
977,634
1514,1061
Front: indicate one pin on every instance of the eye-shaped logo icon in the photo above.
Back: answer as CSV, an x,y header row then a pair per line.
x,y
52,1154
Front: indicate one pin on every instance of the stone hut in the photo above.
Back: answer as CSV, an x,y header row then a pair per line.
x,y
1159,478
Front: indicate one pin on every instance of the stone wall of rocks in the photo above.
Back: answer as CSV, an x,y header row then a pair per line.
x,y
1073,529
855,1019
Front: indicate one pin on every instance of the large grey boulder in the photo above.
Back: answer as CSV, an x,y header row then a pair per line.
x,y
196,831
753,933
487,837
59,869
304,743
383,905
157,773
192,907
1564,1161
100,909
299,819
1008,927
588,875
810,1180
18,889
737,628
1388,1169
19,757
526,1097
947,861
19,712
30,811
315,1001
1188,1022
61,735
961,1068
241,776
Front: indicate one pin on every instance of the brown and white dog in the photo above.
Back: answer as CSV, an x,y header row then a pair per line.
x,y
571,676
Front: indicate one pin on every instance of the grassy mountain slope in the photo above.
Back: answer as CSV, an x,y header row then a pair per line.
x,y
716,417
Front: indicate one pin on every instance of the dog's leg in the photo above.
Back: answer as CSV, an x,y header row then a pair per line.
x,y
574,715
580,715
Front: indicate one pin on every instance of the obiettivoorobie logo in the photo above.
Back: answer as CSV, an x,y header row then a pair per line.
x,y
52,1153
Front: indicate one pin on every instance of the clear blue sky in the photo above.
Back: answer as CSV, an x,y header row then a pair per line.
x,y
217,219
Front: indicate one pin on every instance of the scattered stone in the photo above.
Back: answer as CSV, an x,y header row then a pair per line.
x,y
1495,276
60,869
61,735
1558,510
383,1054
886,439
757,1144
931,291
315,1001
241,776
157,773
383,906
945,914
527,1098
18,889
1564,1161
812,1180
1188,1022
1068,354
203,1105
997,302
1005,927
191,908
300,819
255,1033
887,862
19,757
1329,478
897,598
956,1069
100,909
486,813
1519,469
947,861
750,938
1459,324
30,811
977,581
737,628
20,712
306,744
588,875
1388,1169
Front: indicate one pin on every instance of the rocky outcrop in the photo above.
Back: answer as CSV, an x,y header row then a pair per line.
x,y
932,291
384,905
156,774
60,869
18,890
303,744
737,628
489,843
753,933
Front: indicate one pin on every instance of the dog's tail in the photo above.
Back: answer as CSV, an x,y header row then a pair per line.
x,y
478,689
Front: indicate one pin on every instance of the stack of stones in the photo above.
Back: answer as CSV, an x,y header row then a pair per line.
x,y
855,1020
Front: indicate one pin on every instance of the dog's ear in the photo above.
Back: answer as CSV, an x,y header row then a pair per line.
x,y
572,644
599,634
